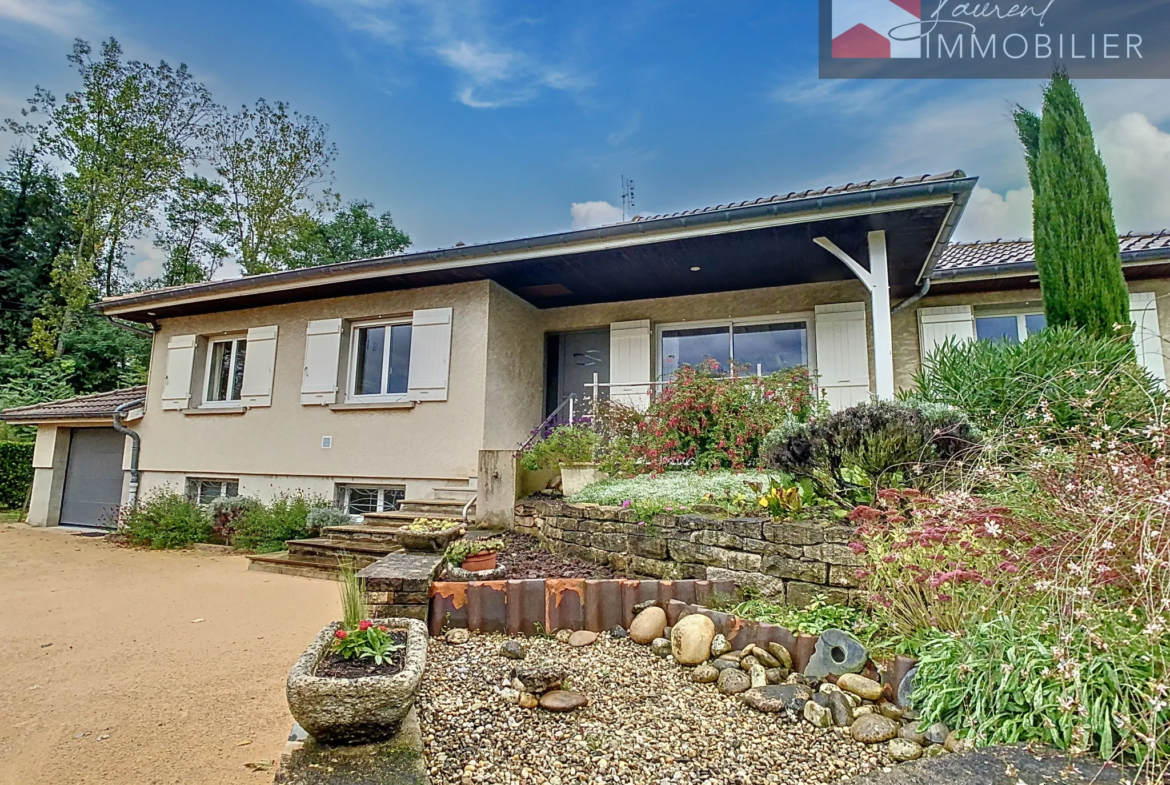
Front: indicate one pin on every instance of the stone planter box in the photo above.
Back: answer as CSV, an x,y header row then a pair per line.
x,y
356,711
575,476
431,542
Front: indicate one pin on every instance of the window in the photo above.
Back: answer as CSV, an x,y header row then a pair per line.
x,y
203,491
1010,328
358,499
749,347
380,360
225,369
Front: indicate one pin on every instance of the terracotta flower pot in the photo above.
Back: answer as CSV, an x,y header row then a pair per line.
x,y
478,562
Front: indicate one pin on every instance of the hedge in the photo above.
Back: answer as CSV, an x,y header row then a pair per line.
x,y
16,473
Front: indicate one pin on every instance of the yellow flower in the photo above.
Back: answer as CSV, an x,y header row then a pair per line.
x,y
763,501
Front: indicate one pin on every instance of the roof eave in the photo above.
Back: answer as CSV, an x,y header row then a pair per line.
x,y
958,188
1020,269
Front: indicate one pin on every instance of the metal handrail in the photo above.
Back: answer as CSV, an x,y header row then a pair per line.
x,y
467,506
569,401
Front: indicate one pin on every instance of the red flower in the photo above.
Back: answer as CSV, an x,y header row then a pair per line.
x,y
383,628
365,625
341,635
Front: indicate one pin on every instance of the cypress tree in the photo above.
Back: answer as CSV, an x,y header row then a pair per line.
x,y
1077,252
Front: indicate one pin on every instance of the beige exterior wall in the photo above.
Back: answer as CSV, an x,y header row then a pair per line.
x,y
278,447
907,359
514,398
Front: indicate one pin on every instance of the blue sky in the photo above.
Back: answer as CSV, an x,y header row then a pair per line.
x,y
476,121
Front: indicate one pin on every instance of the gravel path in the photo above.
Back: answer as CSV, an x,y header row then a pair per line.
x,y
646,724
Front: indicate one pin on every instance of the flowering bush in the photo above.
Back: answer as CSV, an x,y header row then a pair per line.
x,y
165,519
938,562
675,492
711,422
565,444
366,641
225,511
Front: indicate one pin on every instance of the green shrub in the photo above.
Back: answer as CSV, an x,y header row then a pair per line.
x,y
16,473
1018,678
818,616
566,444
165,519
675,492
225,511
711,422
870,446
1057,382
322,517
266,528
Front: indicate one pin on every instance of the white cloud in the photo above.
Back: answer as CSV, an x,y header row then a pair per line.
x,y
990,216
1137,156
587,215
491,73
60,17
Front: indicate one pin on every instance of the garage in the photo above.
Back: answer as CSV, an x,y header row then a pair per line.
x,y
78,469
93,477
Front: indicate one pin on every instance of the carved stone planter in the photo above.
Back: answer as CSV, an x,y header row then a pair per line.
x,y
356,711
575,476
431,542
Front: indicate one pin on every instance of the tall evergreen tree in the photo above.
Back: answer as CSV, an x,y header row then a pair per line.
x,y
1077,252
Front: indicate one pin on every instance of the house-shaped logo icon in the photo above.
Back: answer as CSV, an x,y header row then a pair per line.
x,y
877,28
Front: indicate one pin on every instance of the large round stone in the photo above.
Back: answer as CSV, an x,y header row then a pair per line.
x,y
765,658
840,708
781,654
733,681
837,652
690,640
903,750
648,625
562,700
705,674
660,647
937,733
538,678
860,686
719,645
873,728
582,638
817,715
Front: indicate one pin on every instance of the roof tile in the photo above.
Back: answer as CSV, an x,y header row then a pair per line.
x,y
994,253
98,406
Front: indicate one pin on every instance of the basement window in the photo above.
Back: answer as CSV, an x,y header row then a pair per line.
x,y
361,499
204,491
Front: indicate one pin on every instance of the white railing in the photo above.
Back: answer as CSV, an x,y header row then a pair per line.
x,y
596,386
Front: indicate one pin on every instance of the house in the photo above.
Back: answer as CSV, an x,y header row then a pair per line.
x,y
416,376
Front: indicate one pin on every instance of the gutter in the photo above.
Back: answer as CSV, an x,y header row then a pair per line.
x,y
956,188
135,448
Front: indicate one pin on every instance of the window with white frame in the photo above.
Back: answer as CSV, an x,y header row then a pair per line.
x,y
1008,327
361,499
380,360
203,490
749,346
225,369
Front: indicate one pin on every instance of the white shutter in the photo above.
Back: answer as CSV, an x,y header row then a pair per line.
x,y
177,384
322,353
936,325
842,354
629,363
259,364
430,355
1147,335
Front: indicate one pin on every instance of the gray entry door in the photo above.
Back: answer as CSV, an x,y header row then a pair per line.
x,y
93,477
582,355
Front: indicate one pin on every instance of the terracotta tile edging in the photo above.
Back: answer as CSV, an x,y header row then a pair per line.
x,y
542,606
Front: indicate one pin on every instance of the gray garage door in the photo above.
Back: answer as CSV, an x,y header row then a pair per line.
x,y
93,478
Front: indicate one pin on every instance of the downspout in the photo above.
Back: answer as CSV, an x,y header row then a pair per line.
x,y
120,427
922,290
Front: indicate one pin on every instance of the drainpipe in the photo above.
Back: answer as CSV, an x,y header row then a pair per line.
x,y
912,298
120,427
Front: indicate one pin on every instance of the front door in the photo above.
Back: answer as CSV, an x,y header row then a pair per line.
x,y
573,359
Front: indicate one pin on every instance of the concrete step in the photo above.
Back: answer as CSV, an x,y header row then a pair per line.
x,y
462,494
399,518
363,532
449,507
303,567
361,553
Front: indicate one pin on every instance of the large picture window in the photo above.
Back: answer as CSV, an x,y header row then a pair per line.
x,y
749,347
380,362
225,369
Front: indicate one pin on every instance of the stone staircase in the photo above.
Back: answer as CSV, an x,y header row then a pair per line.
x,y
362,543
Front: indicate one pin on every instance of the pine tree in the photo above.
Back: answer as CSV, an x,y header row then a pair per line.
x,y
1077,252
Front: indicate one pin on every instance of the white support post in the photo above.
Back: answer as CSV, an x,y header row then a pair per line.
x,y
883,334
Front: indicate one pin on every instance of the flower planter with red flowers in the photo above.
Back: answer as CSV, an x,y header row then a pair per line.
x,y
363,697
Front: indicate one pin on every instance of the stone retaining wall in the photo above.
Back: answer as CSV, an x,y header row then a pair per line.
x,y
788,561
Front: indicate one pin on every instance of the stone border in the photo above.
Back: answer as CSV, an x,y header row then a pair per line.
x,y
789,561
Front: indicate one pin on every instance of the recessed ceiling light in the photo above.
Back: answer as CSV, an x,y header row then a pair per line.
x,y
696,269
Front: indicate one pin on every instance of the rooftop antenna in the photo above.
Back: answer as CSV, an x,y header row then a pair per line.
x,y
628,208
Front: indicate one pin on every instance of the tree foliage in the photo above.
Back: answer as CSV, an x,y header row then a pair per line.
x,y
354,232
1077,253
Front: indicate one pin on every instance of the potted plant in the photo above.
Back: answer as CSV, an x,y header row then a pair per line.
x,y
360,676
429,534
474,555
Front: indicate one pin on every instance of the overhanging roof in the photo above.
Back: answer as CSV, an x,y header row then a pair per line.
x,y
97,406
746,245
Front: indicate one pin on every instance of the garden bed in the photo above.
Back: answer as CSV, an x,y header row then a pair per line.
x,y
526,558
335,666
